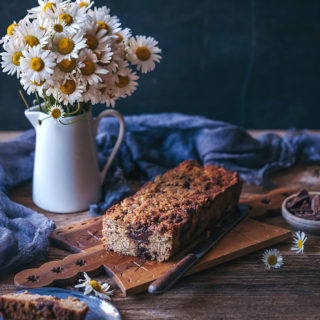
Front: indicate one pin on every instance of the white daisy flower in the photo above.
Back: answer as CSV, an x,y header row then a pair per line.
x,y
126,83
37,64
47,6
33,86
67,91
122,36
67,47
11,59
74,17
110,99
54,26
10,31
107,89
92,94
56,112
299,241
96,40
31,33
87,4
89,285
89,69
272,258
104,21
66,67
110,61
143,52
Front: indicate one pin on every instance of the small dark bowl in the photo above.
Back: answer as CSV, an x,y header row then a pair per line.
x,y
309,226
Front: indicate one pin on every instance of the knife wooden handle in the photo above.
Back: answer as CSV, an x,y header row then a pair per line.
x,y
168,279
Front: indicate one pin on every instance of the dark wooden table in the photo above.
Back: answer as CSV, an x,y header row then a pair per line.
x,y
240,289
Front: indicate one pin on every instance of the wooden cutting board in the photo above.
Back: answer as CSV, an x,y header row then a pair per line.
x,y
133,274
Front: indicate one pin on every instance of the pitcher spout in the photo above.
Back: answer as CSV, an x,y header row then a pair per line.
x,y
34,115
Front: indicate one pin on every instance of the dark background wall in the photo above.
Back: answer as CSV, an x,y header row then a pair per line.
x,y
254,63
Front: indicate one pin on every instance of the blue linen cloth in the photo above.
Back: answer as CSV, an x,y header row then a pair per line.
x,y
152,145
23,232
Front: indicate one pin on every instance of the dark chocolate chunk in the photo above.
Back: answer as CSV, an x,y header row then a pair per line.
x,y
299,199
140,234
186,185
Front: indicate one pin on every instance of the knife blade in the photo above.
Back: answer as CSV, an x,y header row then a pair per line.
x,y
168,279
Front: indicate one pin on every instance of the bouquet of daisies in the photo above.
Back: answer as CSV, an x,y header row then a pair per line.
x,y
73,55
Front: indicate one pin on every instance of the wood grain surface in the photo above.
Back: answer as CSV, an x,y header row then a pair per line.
x,y
239,289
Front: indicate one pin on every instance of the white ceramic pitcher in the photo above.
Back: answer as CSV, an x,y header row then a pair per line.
x,y
66,176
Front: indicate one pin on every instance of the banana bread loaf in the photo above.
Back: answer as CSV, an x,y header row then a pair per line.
x,y
26,306
169,213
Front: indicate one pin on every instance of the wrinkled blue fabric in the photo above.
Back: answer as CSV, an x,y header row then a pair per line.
x,y
23,232
152,145
156,142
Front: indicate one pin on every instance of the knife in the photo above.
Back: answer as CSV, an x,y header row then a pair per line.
x,y
168,279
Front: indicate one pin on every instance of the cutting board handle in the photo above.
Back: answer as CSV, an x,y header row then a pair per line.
x,y
63,272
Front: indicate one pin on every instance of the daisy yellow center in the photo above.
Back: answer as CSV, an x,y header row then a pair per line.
x,y
67,65
119,37
55,113
49,5
68,87
111,96
66,18
10,29
272,260
16,58
103,26
143,53
300,244
36,64
84,4
58,27
88,68
65,46
123,82
31,40
95,285
38,84
103,90
91,42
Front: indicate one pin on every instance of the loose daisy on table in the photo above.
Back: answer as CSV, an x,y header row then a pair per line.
x,y
143,52
38,64
299,240
272,258
100,290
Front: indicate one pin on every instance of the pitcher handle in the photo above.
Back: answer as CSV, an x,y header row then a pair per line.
x,y
110,113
